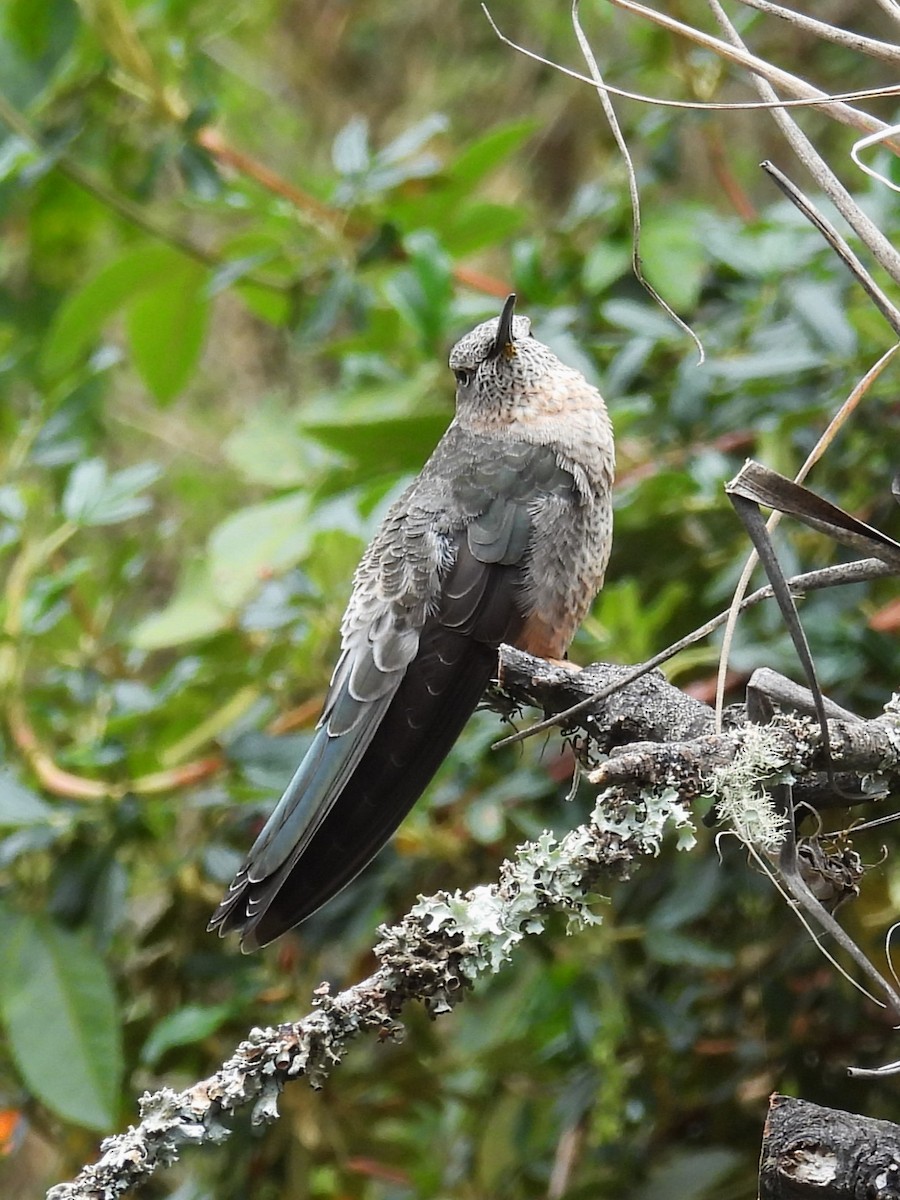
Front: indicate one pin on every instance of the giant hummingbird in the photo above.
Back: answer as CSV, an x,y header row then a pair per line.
x,y
504,536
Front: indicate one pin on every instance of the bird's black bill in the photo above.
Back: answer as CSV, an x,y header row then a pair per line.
x,y
504,338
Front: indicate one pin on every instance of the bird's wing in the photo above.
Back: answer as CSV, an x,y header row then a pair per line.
x,y
433,598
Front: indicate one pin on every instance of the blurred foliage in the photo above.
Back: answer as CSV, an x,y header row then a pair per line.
x,y
237,243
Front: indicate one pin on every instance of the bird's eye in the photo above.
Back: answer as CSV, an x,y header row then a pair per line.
x,y
464,376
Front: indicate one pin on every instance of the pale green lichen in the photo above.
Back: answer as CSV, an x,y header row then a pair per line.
x,y
550,875
641,821
740,788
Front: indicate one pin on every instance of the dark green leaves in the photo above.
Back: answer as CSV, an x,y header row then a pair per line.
x,y
166,324
20,806
162,295
184,1027
61,1019
94,497
366,174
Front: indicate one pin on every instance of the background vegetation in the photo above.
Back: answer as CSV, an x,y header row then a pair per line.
x,y
237,244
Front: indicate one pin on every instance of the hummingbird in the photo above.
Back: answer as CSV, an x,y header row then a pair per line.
x,y
504,536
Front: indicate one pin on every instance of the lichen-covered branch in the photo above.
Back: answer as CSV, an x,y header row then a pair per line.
x,y
655,735
441,948
433,955
649,710
863,747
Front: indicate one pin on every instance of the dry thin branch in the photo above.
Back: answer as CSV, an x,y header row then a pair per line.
x,y
884,51
738,54
879,298
865,228
814,101
634,194
874,139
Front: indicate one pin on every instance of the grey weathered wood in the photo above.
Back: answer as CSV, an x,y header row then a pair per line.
x,y
815,1153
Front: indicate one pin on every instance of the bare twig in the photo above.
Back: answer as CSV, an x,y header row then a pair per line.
x,y
60,782
874,139
633,192
738,54
885,306
865,228
568,1150
884,51
816,100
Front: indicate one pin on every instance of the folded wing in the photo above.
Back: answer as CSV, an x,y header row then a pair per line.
x,y
419,648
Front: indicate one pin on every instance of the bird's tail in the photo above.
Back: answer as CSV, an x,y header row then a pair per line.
x,y
434,700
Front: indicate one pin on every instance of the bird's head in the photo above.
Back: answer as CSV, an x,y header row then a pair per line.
x,y
499,365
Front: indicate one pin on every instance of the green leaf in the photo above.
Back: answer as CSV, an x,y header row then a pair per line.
x,y
235,269
690,1174
449,207
35,41
275,308
15,155
92,497
671,946
193,612
268,449
350,150
758,253
476,225
422,293
412,139
483,156
674,258
779,349
386,445
62,1020
644,319
245,254
44,32
255,542
166,326
820,308
19,805
603,265
243,551
200,171
184,1027
333,555
79,321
